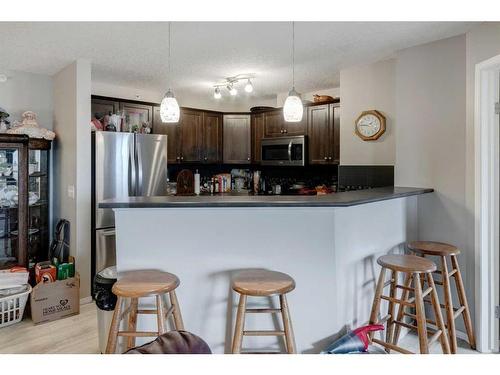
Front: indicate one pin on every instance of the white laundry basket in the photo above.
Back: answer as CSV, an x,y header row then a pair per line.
x,y
12,307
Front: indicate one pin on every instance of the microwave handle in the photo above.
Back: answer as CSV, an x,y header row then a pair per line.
x,y
290,151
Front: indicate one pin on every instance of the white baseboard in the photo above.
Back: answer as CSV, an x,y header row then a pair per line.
x,y
84,301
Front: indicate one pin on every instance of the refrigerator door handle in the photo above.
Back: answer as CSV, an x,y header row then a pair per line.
x,y
139,169
132,185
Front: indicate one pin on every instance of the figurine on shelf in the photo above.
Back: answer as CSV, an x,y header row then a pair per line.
x,y
4,123
145,129
30,127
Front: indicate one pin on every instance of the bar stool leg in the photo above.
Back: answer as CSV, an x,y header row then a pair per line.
x,y
390,323
445,345
401,309
132,321
420,313
115,326
240,323
160,314
463,302
448,302
179,324
287,326
376,299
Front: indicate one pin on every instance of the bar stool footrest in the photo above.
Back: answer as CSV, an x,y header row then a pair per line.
x,y
263,333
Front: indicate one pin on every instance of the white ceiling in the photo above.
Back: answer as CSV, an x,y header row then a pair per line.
x,y
135,54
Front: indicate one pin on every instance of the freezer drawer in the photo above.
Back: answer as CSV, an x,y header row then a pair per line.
x,y
105,252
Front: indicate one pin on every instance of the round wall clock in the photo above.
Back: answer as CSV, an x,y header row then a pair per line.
x,y
370,125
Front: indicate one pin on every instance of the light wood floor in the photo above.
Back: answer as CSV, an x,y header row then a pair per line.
x,y
78,335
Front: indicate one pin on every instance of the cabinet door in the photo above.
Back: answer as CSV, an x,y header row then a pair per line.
x,y
211,149
173,133
237,140
135,115
335,122
257,124
273,124
296,128
191,128
101,107
320,135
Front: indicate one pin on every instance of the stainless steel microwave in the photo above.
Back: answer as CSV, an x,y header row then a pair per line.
x,y
284,151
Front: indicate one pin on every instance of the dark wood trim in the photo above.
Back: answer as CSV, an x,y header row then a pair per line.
x,y
39,144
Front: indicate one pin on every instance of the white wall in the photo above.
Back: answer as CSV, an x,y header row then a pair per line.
x,y
72,161
430,142
241,103
364,88
27,92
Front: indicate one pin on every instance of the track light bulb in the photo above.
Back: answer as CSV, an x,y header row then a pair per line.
x,y
249,86
232,90
217,94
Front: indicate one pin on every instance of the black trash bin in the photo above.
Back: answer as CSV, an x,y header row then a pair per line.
x,y
105,301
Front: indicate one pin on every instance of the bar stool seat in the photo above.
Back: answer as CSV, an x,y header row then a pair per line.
x,y
445,251
417,270
407,263
262,283
133,285
433,248
145,283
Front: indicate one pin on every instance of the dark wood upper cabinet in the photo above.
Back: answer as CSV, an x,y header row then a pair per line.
x,y
273,124
101,107
257,125
237,139
323,133
191,122
211,150
136,114
276,126
173,133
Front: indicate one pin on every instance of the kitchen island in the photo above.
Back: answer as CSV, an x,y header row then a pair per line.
x,y
328,244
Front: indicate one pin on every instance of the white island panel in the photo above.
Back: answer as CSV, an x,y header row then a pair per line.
x,y
330,252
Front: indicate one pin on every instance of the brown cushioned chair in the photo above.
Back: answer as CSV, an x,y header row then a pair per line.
x,y
173,342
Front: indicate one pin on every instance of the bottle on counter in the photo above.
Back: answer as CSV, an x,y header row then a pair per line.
x,y
197,183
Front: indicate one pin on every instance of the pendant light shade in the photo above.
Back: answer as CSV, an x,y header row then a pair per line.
x,y
169,108
293,110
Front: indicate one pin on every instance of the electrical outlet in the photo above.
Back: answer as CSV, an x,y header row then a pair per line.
x,y
71,191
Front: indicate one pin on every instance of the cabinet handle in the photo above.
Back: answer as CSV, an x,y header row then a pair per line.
x,y
329,158
182,157
248,159
285,131
326,157
206,158
281,131
178,158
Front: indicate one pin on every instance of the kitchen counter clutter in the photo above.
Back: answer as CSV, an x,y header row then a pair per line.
x,y
344,199
328,244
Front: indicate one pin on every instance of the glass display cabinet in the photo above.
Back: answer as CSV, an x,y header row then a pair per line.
x,y
24,200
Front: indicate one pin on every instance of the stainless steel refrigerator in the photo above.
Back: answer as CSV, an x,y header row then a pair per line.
x,y
124,164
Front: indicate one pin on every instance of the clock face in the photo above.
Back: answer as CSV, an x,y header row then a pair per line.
x,y
368,125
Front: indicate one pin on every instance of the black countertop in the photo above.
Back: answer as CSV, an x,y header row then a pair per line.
x,y
344,199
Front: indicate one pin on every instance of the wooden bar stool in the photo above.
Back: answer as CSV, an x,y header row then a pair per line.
x,y
444,251
416,269
135,285
262,283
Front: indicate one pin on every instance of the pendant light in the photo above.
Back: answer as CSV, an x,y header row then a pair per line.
x,y
249,86
169,108
293,109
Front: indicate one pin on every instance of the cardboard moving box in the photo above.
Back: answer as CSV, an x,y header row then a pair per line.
x,y
55,300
